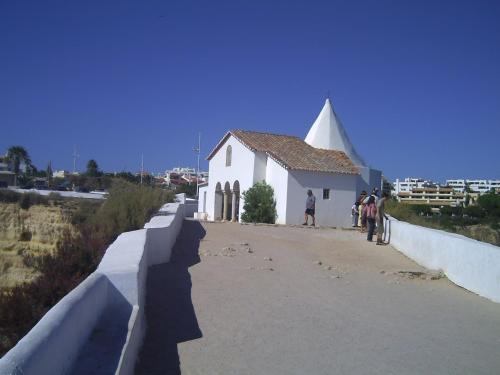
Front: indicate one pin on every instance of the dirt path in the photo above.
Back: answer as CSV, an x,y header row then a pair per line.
x,y
283,300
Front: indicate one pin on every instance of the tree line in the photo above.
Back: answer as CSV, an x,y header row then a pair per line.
x,y
92,179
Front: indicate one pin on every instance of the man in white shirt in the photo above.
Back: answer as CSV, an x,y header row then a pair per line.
x,y
310,208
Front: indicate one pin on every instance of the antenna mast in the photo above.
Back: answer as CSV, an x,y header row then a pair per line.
x,y
75,156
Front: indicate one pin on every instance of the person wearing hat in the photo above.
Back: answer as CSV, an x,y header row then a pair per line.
x,y
310,208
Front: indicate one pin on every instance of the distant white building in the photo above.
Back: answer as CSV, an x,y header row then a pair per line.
x,y
436,197
476,186
182,175
60,174
410,183
326,162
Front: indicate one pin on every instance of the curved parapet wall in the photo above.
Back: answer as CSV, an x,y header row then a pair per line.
x,y
471,264
108,306
52,346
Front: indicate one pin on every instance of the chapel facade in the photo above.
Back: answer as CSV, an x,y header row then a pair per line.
x,y
325,162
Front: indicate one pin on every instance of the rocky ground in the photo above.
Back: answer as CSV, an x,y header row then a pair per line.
x,y
245,299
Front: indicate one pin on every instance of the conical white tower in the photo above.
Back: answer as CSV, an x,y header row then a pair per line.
x,y
328,133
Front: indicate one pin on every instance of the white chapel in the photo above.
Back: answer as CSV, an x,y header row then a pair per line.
x,y
325,162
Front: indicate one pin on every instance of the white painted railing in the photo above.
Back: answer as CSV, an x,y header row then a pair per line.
x,y
471,264
67,338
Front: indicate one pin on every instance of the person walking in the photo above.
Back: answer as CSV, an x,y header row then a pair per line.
x,y
362,211
380,218
371,214
355,214
310,208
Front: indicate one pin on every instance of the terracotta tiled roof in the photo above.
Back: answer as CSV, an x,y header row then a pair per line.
x,y
292,152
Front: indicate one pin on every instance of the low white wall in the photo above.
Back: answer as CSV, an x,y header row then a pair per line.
x,y
66,194
190,208
471,264
53,345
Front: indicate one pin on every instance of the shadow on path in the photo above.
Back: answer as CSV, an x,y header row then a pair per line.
x,y
170,314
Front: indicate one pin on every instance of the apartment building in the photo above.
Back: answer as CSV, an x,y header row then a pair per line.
x,y
408,184
475,186
436,197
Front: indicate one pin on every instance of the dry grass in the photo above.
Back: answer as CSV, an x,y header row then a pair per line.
x,y
31,232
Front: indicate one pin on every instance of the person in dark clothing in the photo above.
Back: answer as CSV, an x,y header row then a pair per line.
x,y
371,214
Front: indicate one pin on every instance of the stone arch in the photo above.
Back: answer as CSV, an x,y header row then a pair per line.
x,y
235,211
218,202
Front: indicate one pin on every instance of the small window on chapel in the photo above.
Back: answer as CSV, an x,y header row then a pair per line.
x,y
229,151
326,193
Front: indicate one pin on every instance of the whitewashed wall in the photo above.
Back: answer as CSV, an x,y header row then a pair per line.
x,y
117,287
202,200
277,178
260,169
241,169
469,263
335,211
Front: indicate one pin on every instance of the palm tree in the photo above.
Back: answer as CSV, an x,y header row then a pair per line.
x,y
15,156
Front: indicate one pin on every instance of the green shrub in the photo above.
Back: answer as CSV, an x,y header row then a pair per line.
x,y
421,209
260,205
457,211
398,210
446,210
490,203
128,207
474,211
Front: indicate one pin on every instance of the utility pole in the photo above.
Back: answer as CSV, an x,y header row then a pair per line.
x,y
75,156
197,150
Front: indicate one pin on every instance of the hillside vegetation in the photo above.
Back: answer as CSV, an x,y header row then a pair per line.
x,y
480,222
52,244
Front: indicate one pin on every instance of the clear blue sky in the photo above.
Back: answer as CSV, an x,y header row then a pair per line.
x,y
416,83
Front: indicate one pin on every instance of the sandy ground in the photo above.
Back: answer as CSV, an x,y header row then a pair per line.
x,y
244,299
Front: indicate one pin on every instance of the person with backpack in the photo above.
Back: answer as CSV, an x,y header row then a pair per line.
x,y
362,211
